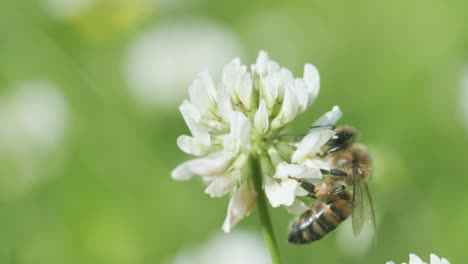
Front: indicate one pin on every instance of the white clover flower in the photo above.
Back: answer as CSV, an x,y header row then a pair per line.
x,y
242,116
416,260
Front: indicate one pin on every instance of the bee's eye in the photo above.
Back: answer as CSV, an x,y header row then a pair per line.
x,y
340,138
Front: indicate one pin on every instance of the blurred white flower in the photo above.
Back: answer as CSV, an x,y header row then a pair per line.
x,y
32,116
463,99
242,116
239,247
33,120
174,5
355,245
162,61
67,8
416,260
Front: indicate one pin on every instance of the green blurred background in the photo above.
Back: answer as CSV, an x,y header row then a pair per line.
x,y
100,191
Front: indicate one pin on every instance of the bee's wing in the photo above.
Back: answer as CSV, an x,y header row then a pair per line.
x,y
370,206
363,207
358,213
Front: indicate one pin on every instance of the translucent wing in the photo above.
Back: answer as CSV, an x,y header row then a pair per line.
x,y
358,213
370,206
363,207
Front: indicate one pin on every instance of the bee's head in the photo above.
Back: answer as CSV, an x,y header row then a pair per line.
x,y
344,136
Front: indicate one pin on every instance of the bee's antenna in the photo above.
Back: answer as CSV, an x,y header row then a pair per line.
x,y
330,126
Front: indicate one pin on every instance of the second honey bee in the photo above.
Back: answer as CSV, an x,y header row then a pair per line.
x,y
351,167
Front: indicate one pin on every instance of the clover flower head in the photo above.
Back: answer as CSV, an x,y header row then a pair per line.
x,y
242,116
414,259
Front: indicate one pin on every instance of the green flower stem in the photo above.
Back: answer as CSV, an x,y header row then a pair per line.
x,y
265,220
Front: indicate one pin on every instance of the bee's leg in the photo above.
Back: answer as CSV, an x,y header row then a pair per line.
x,y
308,186
334,172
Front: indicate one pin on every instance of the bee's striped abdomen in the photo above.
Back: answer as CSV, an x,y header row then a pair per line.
x,y
322,218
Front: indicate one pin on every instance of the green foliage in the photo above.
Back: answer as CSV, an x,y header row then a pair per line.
x,y
393,67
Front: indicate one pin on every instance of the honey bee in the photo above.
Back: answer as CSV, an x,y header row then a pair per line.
x,y
351,167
